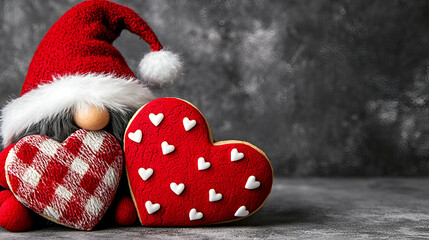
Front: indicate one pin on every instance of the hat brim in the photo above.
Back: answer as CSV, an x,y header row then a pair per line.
x,y
67,93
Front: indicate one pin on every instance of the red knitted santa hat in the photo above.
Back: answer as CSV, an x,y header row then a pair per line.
x,y
76,65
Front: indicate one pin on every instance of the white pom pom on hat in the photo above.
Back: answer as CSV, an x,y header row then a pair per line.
x,y
160,68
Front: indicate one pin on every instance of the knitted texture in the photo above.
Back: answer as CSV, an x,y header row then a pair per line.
x,y
81,42
125,213
179,177
14,216
71,183
3,157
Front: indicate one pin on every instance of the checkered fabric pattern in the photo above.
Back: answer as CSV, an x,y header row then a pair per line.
x,y
71,183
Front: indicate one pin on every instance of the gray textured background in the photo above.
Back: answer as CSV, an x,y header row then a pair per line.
x,y
327,88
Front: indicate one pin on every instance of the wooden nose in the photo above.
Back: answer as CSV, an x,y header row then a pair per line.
x,y
91,118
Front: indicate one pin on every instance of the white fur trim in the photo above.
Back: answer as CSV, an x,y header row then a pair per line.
x,y
160,67
71,92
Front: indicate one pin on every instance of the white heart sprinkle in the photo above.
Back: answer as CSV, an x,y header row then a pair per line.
x,y
166,148
152,208
241,212
202,164
189,124
145,174
136,136
236,155
194,215
213,196
252,183
177,189
156,119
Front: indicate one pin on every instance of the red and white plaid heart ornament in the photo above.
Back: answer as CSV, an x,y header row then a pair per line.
x,y
71,183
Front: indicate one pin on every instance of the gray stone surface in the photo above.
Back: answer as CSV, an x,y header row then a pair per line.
x,y
376,208
324,87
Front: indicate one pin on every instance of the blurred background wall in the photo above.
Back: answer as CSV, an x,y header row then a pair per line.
x,y
325,88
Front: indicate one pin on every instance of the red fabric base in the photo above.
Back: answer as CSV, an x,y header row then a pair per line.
x,y
181,166
125,213
3,156
14,216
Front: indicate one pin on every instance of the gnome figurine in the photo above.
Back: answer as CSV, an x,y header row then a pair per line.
x,y
78,80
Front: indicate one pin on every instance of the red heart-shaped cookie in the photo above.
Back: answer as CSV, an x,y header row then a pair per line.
x,y
71,183
179,177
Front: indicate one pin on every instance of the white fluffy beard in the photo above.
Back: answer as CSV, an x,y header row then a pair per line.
x,y
60,127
